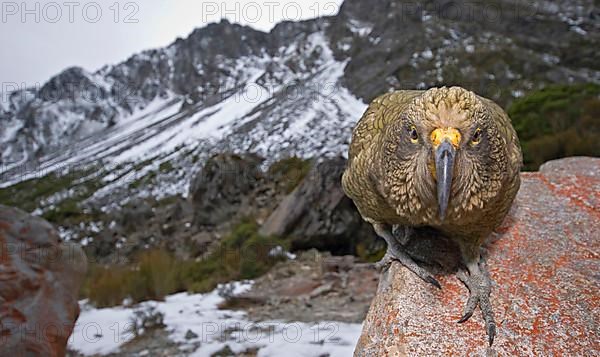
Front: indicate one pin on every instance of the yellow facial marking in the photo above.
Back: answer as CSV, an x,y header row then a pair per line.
x,y
439,134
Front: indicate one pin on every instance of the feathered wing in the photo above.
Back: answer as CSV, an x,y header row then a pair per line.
x,y
508,136
514,160
356,181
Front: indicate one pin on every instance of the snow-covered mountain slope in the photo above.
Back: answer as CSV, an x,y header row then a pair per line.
x,y
297,90
273,109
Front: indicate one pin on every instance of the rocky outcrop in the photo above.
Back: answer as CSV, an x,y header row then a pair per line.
x,y
40,279
223,186
543,261
317,214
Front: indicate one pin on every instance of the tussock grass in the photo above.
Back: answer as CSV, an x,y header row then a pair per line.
x,y
153,274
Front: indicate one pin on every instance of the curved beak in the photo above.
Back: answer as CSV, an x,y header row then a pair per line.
x,y
444,167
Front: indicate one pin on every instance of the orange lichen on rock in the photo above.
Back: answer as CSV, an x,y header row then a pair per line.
x,y
39,285
544,263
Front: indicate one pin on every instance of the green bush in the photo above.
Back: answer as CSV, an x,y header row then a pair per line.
x,y
66,209
68,212
166,166
557,121
368,254
27,194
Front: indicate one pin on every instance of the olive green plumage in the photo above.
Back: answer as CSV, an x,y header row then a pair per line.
x,y
391,178
445,159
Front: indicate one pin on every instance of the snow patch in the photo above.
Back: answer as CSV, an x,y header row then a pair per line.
x,y
103,331
360,28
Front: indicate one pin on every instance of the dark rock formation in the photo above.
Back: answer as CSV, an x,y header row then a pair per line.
x,y
39,285
117,236
544,263
222,187
483,47
135,214
317,214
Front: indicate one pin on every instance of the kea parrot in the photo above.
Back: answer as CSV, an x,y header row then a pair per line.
x,y
442,159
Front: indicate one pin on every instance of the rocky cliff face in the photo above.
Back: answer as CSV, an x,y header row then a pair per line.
x,y
498,50
543,263
225,185
317,214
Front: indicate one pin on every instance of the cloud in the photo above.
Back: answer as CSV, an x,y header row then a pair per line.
x,y
41,38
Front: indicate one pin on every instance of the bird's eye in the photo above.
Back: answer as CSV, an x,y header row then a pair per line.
x,y
412,132
476,138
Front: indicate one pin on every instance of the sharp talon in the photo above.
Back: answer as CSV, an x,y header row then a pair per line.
x,y
479,284
383,268
465,317
433,281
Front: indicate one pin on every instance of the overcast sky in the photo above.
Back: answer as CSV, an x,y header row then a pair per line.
x,y
42,38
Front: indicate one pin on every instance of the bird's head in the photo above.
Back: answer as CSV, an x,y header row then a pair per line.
x,y
441,155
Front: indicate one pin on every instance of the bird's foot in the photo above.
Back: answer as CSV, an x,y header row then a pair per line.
x,y
477,279
395,251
